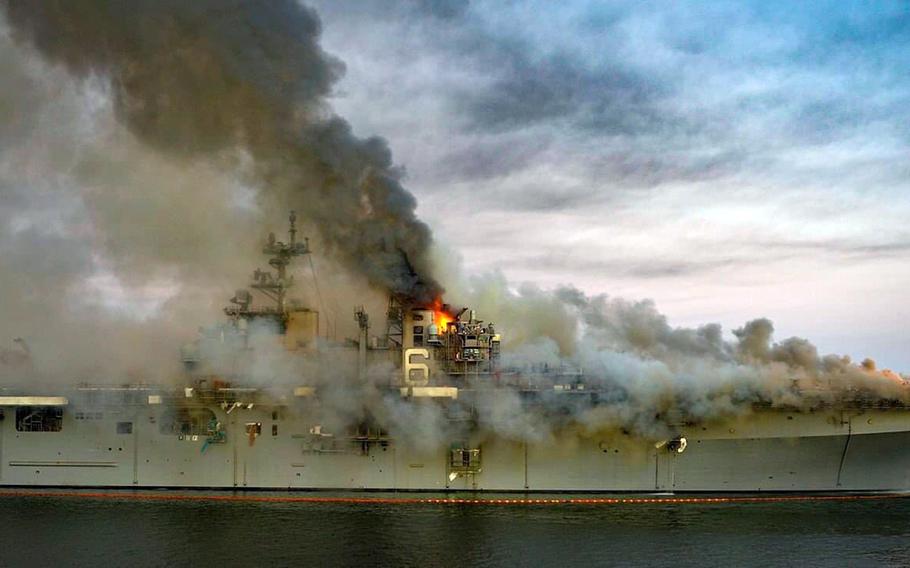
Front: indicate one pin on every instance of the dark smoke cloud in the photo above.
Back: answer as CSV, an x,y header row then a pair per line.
x,y
204,80
205,86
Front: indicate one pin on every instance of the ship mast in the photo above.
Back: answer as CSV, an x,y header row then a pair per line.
x,y
272,285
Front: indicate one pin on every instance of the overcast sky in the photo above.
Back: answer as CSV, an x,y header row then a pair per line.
x,y
728,160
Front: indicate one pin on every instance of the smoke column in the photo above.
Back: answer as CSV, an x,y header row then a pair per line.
x,y
214,92
205,79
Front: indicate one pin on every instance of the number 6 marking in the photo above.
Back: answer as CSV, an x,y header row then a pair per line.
x,y
424,370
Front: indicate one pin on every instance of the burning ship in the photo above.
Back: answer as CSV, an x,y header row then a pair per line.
x,y
431,376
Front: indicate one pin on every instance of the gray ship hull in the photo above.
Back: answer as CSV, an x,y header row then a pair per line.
x,y
768,450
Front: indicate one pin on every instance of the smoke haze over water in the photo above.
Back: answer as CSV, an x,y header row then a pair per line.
x,y
153,142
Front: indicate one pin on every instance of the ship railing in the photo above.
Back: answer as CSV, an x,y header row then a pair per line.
x,y
836,404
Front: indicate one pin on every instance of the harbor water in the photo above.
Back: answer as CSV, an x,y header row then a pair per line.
x,y
294,529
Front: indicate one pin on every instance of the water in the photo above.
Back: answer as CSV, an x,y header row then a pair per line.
x,y
81,531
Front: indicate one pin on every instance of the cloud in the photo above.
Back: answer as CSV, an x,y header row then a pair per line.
x,y
664,148
654,93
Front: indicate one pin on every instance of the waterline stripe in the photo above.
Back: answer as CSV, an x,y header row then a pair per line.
x,y
127,496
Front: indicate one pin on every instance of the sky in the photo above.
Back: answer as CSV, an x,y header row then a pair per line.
x,y
727,160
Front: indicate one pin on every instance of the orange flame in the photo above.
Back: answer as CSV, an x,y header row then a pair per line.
x,y
440,317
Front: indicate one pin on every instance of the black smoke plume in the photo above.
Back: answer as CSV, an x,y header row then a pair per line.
x,y
203,78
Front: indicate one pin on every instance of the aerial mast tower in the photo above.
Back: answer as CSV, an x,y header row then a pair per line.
x,y
273,285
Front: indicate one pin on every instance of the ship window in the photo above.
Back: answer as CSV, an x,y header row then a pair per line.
x,y
39,418
418,340
418,329
418,317
187,421
124,427
274,429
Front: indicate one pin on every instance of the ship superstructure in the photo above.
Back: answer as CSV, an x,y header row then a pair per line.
x,y
221,428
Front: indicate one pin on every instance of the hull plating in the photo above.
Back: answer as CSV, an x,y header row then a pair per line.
x,y
767,451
